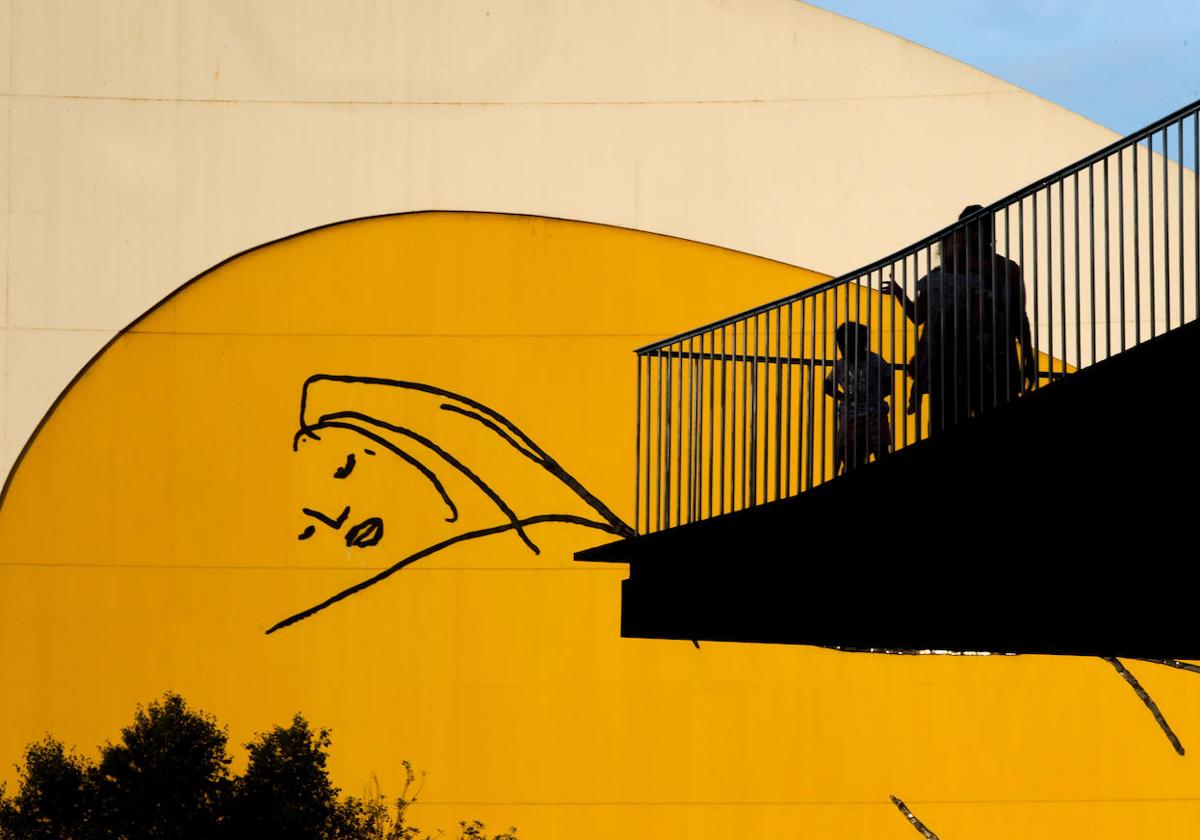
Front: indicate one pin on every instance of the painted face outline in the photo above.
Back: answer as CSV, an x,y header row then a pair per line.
x,y
364,534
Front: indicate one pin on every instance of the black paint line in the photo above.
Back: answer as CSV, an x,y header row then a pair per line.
x,y
345,470
434,549
369,451
307,532
547,461
912,818
495,427
335,524
1171,663
1146,699
339,416
413,386
395,450
543,459
187,284
365,534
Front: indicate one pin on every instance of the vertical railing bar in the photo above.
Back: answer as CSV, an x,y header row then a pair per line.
x,y
1078,310
649,429
1137,288
678,462
683,476
1121,238
975,384
712,418
1196,205
687,387
957,271
1008,305
1037,331
764,408
798,376
1152,274
694,427
939,423
1151,277
732,456
930,360
637,451
1107,270
1062,268
787,432
849,401
957,309
664,469
1182,292
1092,260
737,441
779,438
754,381
696,424
981,385
923,430
1166,217
878,298
1050,275
994,342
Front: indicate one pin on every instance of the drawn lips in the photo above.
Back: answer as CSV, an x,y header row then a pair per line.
x,y
366,533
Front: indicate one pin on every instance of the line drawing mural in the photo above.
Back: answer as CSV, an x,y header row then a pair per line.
x,y
504,433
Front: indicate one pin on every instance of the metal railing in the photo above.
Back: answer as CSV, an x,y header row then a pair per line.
x,y
1078,266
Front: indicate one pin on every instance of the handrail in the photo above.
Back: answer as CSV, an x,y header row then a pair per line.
x,y
934,238
770,402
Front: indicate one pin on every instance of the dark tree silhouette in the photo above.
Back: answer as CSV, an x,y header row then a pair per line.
x,y
285,791
55,796
168,777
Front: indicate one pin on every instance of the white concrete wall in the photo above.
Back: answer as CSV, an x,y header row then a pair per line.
x,y
141,142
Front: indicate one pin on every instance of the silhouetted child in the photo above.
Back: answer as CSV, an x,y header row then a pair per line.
x,y
860,384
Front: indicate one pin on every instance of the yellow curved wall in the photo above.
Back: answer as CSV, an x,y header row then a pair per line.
x,y
149,538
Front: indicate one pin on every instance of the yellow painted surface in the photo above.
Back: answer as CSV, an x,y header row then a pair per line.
x,y
149,538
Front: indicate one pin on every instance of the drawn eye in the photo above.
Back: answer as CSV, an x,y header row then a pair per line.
x,y
366,533
346,469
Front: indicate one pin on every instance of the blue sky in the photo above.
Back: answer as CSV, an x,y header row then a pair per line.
x,y
1122,64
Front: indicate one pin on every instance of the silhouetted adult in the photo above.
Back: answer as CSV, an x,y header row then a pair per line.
x,y
970,311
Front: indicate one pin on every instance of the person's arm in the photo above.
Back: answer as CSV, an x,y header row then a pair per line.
x,y
831,390
889,379
912,311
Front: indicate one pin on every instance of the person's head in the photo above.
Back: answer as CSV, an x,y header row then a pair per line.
x,y
964,243
852,339
978,235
